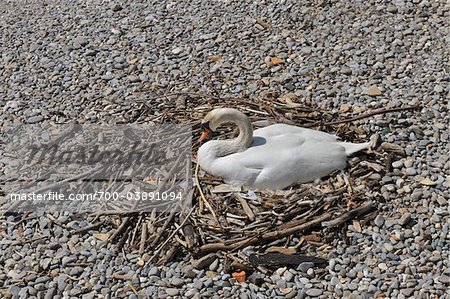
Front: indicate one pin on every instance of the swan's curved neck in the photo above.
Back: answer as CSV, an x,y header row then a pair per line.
x,y
240,143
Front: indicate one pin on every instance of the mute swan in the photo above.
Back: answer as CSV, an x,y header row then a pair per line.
x,y
273,157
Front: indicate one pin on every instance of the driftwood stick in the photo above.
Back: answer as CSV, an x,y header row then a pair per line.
x,y
120,229
364,208
163,228
277,234
205,201
157,251
89,227
126,221
362,116
188,230
143,237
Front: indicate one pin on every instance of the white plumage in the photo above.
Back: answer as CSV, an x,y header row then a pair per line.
x,y
273,157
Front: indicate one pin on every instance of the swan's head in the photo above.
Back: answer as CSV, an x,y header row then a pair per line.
x,y
218,116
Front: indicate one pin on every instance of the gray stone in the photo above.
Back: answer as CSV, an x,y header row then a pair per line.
x,y
305,266
116,7
177,50
172,291
392,9
334,281
438,89
411,171
408,292
190,293
379,220
314,292
214,265
445,279
134,78
35,119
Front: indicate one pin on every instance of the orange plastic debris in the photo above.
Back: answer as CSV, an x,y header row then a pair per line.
x,y
239,276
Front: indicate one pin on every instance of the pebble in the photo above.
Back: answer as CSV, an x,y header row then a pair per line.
x,y
438,89
410,171
444,279
172,291
408,292
116,7
214,265
288,276
305,266
35,119
134,78
397,164
374,91
177,50
314,292
392,9
379,220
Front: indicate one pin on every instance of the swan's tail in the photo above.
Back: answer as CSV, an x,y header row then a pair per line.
x,y
351,148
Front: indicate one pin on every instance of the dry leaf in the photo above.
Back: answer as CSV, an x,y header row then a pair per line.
x,y
103,237
374,91
140,263
276,60
344,108
357,226
395,236
215,58
428,182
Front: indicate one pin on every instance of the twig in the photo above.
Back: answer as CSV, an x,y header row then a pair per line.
x,y
88,228
277,234
156,252
188,229
362,116
364,208
125,222
205,201
163,228
143,238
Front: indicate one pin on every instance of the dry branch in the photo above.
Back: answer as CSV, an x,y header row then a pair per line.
x,y
277,234
363,209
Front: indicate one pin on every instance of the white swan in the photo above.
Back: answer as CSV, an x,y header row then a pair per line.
x,y
273,157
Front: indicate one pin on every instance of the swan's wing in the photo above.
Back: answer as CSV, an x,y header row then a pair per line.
x,y
264,150
283,129
286,159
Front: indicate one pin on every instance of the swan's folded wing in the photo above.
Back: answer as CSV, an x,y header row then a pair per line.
x,y
264,150
283,129
283,162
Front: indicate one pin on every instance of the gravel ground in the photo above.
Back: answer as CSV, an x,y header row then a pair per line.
x,y
90,60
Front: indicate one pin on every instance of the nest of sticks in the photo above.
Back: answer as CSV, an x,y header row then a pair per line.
x,y
221,219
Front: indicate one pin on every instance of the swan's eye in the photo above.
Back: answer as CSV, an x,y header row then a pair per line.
x,y
205,126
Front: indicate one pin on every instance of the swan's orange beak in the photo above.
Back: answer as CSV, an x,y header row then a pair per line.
x,y
204,135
